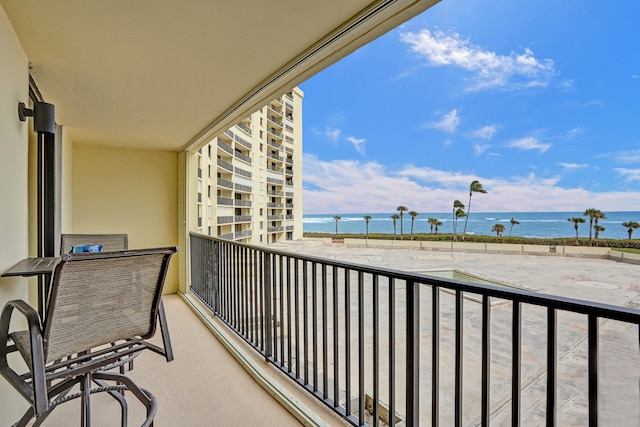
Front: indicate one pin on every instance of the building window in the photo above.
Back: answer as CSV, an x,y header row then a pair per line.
x,y
289,235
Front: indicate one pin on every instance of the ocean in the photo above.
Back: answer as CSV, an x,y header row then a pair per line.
x,y
531,224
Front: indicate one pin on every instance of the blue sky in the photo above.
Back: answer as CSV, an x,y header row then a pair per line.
x,y
538,100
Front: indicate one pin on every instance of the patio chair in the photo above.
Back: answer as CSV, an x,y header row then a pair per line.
x,y
102,311
110,242
116,242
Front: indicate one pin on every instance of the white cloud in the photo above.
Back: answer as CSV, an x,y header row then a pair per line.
x,y
572,166
627,157
629,174
448,123
358,143
332,134
485,132
369,187
572,133
479,149
529,143
489,69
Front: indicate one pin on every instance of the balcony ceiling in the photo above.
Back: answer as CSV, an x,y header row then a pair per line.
x,y
167,74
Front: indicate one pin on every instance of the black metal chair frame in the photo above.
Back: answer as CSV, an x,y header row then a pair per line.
x,y
51,377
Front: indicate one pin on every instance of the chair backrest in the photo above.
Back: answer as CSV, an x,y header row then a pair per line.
x,y
110,242
99,298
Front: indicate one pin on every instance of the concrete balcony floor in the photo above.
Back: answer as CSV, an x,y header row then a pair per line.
x,y
203,386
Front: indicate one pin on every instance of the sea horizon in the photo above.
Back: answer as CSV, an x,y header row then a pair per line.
x,y
531,224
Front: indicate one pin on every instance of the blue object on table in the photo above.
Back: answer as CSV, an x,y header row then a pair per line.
x,y
86,248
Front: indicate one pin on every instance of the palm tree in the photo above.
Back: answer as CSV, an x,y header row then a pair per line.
x,y
337,218
499,229
597,230
413,215
395,218
437,224
367,218
513,222
460,213
457,207
432,223
630,226
474,187
402,210
598,216
576,221
591,213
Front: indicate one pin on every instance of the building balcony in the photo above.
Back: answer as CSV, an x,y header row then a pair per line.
x,y
273,143
225,183
224,146
242,156
245,203
204,382
275,181
275,217
242,218
275,169
275,205
242,234
272,229
275,193
369,341
245,128
275,120
243,188
275,157
225,201
225,165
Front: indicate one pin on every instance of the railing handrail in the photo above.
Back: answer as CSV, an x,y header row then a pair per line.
x,y
302,312
610,311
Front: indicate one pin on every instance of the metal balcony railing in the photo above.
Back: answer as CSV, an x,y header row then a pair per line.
x,y
240,202
244,127
226,147
225,165
225,183
365,339
274,156
225,201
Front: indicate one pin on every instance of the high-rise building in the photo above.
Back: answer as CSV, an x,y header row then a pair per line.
x,y
249,178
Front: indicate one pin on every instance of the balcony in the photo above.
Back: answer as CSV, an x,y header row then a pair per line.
x,y
274,157
245,203
225,165
275,181
245,128
275,193
225,201
274,205
328,325
242,156
275,217
184,400
243,188
242,234
274,229
242,218
225,183
224,146
227,219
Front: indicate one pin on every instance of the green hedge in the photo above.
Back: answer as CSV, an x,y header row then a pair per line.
x,y
560,241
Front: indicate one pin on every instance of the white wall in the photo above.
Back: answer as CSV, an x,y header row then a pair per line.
x,y
14,210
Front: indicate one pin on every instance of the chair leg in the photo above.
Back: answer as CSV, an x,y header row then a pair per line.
x,y
85,389
164,329
119,396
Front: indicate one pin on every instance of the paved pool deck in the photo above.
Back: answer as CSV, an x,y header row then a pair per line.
x,y
592,279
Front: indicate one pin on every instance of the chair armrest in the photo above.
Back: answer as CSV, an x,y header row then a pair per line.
x,y
37,392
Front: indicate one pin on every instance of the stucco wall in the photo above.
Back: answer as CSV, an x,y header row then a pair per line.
x,y
120,190
14,211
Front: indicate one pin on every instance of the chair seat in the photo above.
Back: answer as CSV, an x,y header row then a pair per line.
x,y
23,344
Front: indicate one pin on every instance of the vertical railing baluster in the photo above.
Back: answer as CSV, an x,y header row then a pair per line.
x,y
261,309
281,303
392,352
336,342
296,283
274,305
325,340
593,370
347,339
551,366
486,360
361,393
516,359
289,306
314,323
305,317
245,293
435,356
413,354
268,351
459,357
376,351
216,275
